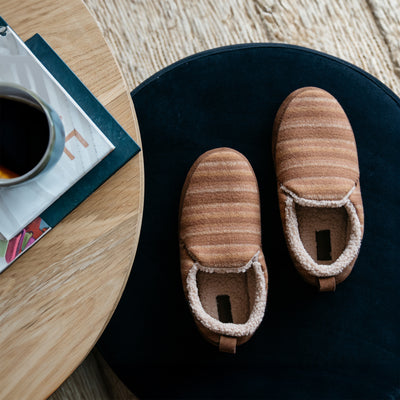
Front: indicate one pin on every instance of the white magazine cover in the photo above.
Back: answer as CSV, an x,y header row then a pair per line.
x,y
86,145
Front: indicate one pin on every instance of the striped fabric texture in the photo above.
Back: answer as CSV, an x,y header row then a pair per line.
x,y
220,222
316,154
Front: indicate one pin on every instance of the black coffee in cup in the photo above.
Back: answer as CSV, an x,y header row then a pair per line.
x,y
32,136
24,135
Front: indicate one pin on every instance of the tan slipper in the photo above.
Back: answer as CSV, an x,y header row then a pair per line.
x,y
223,268
319,194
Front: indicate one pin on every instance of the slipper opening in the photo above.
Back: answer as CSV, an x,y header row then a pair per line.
x,y
324,232
228,297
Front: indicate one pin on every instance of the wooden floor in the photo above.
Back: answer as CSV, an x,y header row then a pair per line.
x,y
147,35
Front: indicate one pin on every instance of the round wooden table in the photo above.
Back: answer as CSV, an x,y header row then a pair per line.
x,y
57,298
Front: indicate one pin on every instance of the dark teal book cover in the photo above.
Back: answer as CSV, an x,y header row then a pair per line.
x,y
125,149
125,146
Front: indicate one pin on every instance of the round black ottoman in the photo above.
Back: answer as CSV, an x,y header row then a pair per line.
x,y
310,345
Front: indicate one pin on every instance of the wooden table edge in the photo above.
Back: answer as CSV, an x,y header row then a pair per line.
x,y
135,133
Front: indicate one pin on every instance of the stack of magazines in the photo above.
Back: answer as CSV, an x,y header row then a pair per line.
x,y
96,145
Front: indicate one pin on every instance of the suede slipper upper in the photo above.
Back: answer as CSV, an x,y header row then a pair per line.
x,y
319,193
223,268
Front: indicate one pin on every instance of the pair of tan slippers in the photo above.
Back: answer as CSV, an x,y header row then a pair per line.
x,y
224,272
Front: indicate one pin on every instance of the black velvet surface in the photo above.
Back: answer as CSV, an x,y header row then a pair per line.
x,y
310,346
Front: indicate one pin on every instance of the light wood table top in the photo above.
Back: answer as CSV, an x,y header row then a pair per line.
x,y
57,298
